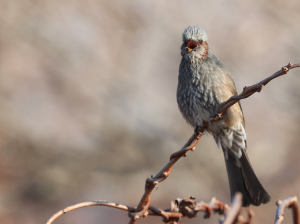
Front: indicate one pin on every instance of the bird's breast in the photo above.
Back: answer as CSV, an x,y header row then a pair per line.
x,y
196,96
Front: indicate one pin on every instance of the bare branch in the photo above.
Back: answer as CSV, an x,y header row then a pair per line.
x,y
161,175
143,209
87,204
194,139
251,215
248,91
189,208
136,215
233,213
218,206
291,202
179,208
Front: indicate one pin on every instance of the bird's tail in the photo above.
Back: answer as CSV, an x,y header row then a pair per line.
x,y
243,179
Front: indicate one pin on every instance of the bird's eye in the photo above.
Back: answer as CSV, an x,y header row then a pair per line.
x,y
201,41
191,44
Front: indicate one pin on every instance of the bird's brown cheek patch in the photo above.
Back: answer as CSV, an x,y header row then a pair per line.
x,y
205,46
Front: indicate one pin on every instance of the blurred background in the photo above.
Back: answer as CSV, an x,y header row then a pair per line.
x,y
88,104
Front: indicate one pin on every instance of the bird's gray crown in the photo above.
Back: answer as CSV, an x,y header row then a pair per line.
x,y
194,33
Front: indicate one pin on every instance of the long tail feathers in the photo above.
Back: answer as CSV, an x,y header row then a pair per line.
x,y
243,179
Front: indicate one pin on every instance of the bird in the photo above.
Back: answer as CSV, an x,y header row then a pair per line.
x,y
204,83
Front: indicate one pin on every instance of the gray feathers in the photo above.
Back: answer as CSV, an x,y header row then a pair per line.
x,y
242,179
204,83
198,87
194,33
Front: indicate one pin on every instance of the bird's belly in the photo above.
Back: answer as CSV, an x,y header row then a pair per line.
x,y
205,115
195,113
196,105
201,114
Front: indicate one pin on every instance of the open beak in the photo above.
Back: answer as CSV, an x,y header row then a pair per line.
x,y
191,45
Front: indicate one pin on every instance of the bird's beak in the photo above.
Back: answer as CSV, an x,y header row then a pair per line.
x,y
189,49
191,45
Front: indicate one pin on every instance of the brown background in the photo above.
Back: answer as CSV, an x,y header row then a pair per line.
x,y
88,104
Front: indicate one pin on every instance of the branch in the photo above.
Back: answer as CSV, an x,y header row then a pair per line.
x,y
179,208
248,91
144,208
194,139
291,202
189,208
233,216
233,213
160,176
87,204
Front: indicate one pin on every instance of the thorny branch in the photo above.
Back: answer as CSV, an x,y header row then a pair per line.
x,y
144,208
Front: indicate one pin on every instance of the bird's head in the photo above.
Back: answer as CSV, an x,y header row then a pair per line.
x,y
194,43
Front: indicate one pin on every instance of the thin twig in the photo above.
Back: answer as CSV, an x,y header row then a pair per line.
x,y
165,172
87,204
291,202
214,205
248,91
188,207
137,215
166,214
251,215
233,214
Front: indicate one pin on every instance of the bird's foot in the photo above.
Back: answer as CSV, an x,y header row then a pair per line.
x,y
199,130
220,115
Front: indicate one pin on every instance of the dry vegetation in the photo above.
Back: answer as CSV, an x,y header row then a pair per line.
x,y
88,107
